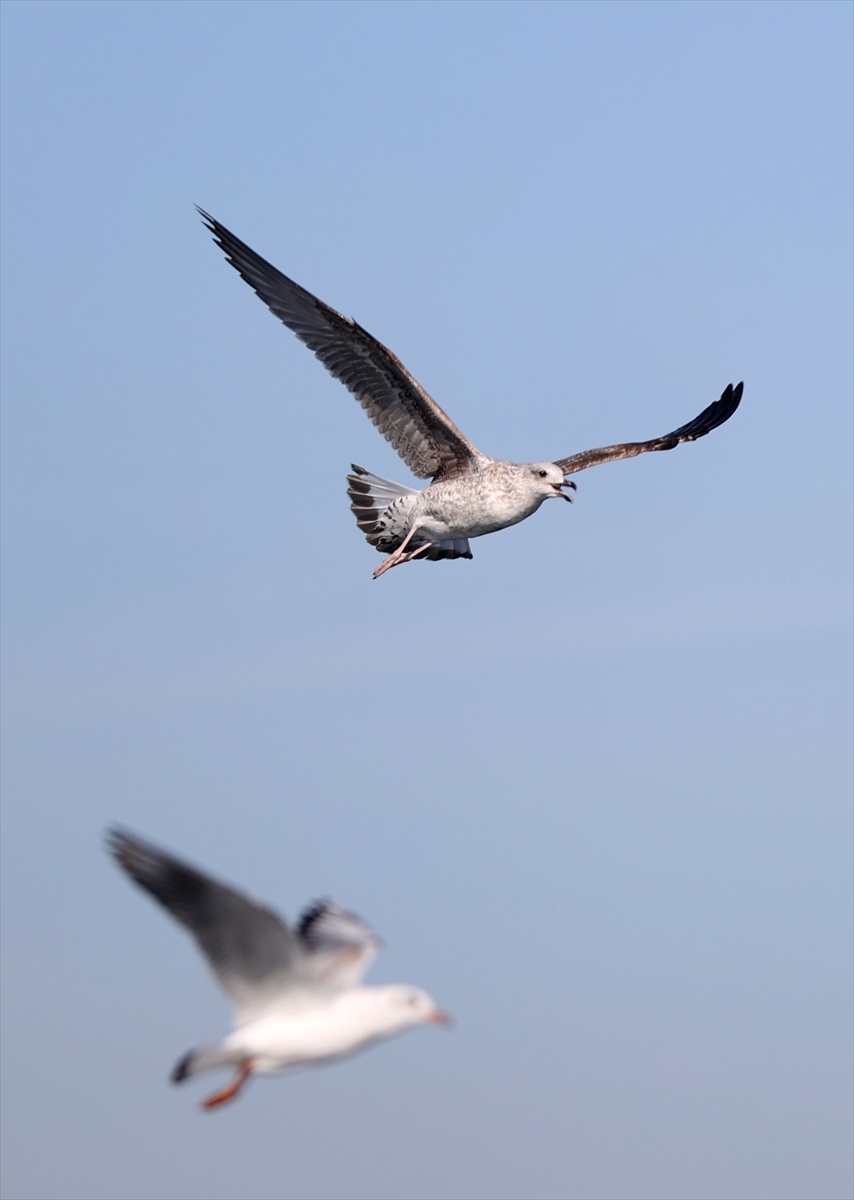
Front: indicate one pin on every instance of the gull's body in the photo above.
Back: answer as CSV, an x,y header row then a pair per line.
x,y
491,496
294,1035
297,993
471,494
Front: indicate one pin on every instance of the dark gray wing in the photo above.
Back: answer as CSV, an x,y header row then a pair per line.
x,y
339,945
423,435
252,952
708,420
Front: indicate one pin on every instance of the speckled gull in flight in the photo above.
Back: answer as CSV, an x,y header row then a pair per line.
x,y
471,494
297,993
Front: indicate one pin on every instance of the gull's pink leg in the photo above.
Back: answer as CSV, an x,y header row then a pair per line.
x,y
231,1089
399,555
414,553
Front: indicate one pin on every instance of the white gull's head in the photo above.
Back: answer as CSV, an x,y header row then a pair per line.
x,y
547,480
402,1006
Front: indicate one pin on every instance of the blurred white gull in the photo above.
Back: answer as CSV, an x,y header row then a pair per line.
x,y
471,494
297,993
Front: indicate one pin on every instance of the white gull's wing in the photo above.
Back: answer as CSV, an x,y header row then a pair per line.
x,y
250,949
424,436
708,420
340,946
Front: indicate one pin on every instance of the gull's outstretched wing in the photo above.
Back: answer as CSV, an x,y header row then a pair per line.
x,y
250,949
341,947
423,435
708,420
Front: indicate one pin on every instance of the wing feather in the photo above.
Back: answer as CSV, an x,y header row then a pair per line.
x,y
340,946
710,418
250,949
423,435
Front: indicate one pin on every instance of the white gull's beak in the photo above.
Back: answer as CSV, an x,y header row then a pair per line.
x,y
437,1017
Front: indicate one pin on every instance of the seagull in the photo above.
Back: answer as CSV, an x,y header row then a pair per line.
x,y
297,994
470,494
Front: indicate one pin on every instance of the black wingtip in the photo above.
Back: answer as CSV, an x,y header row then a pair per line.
x,y
119,842
710,418
211,223
728,403
128,849
312,913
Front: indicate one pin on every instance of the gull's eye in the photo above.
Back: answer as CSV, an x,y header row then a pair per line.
x,y
542,474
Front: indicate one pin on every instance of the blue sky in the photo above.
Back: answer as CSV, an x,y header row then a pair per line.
x,y
593,787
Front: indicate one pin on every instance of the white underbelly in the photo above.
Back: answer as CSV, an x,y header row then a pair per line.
x,y
279,1044
442,522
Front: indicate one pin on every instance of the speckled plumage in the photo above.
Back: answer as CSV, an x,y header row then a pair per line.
x,y
471,494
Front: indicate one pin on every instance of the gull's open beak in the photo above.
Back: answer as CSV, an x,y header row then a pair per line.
x,y
567,483
437,1017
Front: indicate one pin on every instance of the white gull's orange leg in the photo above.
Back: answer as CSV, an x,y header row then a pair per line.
x,y
231,1089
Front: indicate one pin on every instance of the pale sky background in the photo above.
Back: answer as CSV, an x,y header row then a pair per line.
x,y
592,788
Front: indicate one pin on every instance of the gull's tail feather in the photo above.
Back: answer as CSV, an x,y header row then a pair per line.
x,y
202,1058
459,548
371,497
382,507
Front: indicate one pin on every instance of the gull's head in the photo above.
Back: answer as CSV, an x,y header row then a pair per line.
x,y
549,479
407,1006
